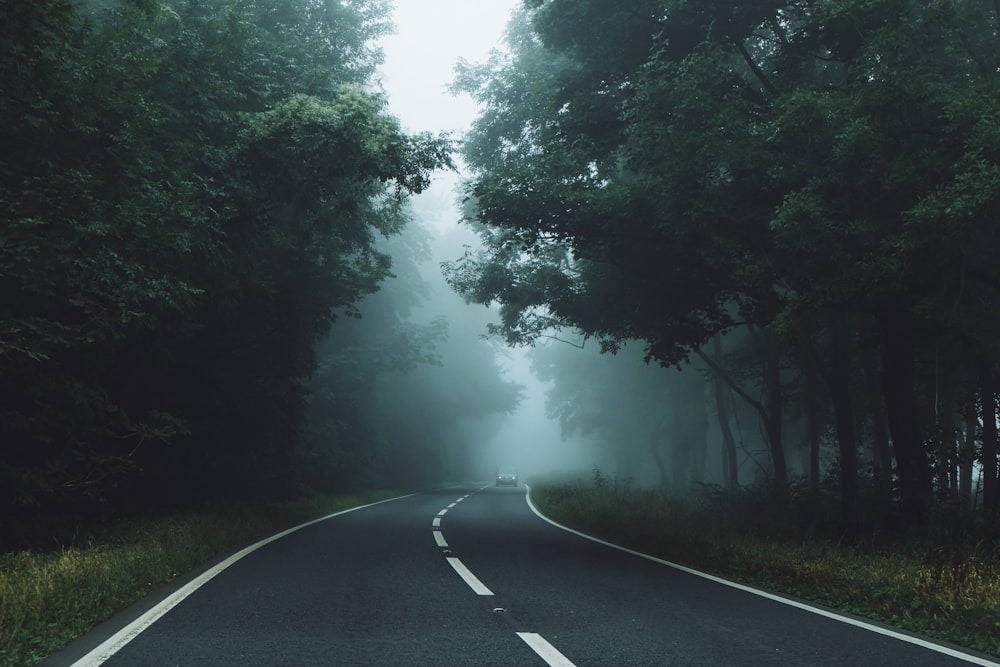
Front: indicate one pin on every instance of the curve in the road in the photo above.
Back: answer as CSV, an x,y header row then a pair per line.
x,y
509,570
554,658
871,627
546,651
115,642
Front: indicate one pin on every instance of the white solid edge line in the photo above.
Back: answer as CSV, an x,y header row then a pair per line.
x,y
960,655
439,538
117,641
468,577
545,650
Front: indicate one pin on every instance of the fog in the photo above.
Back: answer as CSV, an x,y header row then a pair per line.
x,y
529,438
577,409
468,404
416,74
526,437
269,252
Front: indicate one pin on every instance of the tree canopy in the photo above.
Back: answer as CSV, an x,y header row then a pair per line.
x,y
668,170
191,191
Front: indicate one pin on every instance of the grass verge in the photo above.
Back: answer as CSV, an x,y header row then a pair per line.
x,y
49,599
952,595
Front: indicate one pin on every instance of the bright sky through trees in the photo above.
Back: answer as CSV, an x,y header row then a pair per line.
x,y
431,35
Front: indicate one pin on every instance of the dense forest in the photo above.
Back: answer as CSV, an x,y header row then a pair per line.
x,y
796,202
209,273
215,283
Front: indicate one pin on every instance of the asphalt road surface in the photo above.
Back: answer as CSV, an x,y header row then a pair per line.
x,y
474,577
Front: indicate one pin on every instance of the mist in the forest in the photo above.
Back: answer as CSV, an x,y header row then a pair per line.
x,y
441,401
463,403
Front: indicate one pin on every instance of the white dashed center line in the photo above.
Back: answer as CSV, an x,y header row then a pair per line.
x,y
538,644
477,586
545,650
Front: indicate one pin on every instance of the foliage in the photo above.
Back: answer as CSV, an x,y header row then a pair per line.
x,y
189,190
670,170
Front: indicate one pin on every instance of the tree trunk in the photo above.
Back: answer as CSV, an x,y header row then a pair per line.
x,y
698,459
680,466
882,451
898,351
773,414
957,445
991,485
730,469
769,414
812,371
943,441
843,405
967,454
661,467
695,417
813,423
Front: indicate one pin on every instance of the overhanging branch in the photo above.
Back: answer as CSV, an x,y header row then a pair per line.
x,y
721,373
755,68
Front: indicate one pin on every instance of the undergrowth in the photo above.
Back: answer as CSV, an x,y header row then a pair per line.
x,y
948,591
48,598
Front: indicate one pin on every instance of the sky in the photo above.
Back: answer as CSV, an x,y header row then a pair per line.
x,y
431,36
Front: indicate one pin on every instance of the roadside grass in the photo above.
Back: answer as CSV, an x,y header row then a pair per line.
x,y
952,594
48,599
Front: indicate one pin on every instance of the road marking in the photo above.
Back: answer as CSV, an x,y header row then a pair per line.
x,y
804,606
436,523
538,644
474,583
118,640
545,650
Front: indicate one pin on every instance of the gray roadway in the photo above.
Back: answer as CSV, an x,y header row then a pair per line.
x,y
374,587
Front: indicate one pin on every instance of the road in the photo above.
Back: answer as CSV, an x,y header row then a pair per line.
x,y
473,577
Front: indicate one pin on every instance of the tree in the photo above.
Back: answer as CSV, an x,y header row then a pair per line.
x,y
714,165
189,192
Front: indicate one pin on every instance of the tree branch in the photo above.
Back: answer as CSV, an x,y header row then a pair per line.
x,y
758,72
563,340
721,373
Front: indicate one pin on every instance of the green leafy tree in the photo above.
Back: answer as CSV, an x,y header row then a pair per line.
x,y
190,191
664,171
